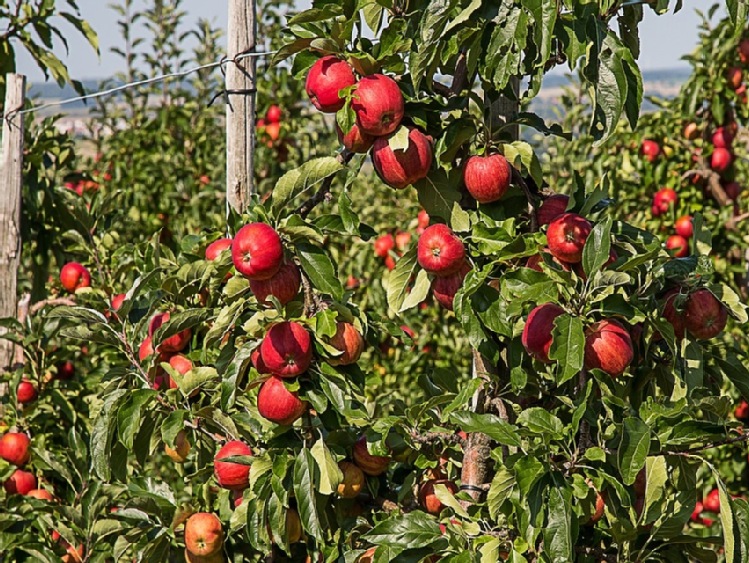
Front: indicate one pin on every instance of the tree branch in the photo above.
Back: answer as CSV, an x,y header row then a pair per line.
x,y
323,194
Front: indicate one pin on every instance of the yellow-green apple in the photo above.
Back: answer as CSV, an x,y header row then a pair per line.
x,y
283,285
353,480
204,535
349,342
20,482
608,347
440,251
15,448
566,236
402,167
231,475
74,276
286,349
378,104
704,316
293,526
444,289
678,246
487,177
428,499
370,464
325,79
537,333
257,251
277,404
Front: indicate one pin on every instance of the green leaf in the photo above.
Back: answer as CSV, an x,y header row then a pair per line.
x,y
399,278
412,530
559,540
656,472
103,433
633,449
500,490
489,424
440,197
418,292
568,346
330,474
541,422
319,268
299,180
597,247
304,490
181,321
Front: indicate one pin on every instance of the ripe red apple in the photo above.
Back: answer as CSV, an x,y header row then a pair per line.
x,y
215,249
257,361
372,465
721,160
741,412
20,483
734,77
428,500
284,285
257,251
401,168
203,534
273,115
711,502
696,513
145,350
566,236
116,302
383,245
663,200
608,347
273,130
368,556
353,480
378,104
672,314
286,349
389,262
176,342
552,207
180,363
41,494
422,220
349,341
65,370
722,138
444,289
743,50
230,475
74,276
402,240
325,79
440,251
678,246
278,404
487,177
684,226
691,131
732,189
14,448
650,150
26,392
704,316
537,337
355,141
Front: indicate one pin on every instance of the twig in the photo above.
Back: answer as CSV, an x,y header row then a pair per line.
x,y
23,313
323,194
432,438
55,302
713,182
743,437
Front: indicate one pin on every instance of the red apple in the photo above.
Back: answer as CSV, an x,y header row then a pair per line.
x,y
273,130
704,316
402,240
145,350
608,347
551,208
600,504
487,177
440,251
180,363
722,138
684,226
650,150
20,483
14,448
428,500
41,494
663,200
278,404
372,465
677,246
349,341
389,262
743,50
696,513
230,475
65,370
355,141
732,189
257,361
742,411
215,249
691,131
401,168
284,285
674,315
721,160
257,251
325,79
566,236
378,104
383,245
286,349
74,276
117,301
422,220
445,288
734,77
537,333
176,342
273,115
204,536
711,502
26,392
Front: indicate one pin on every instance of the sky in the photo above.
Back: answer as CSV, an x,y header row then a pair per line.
x,y
664,38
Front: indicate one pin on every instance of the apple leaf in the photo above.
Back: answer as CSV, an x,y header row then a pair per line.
x,y
542,422
489,424
597,247
410,530
299,180
633,449
305,478
656,472
500,490
559,533
568,347
418,293
330,474
399,278
319,268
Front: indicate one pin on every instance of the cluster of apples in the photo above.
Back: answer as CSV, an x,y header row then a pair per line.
x,y
167,351
697,312
379,106
385,246
677,244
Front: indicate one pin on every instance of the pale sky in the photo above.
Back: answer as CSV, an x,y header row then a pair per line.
x,y
664,38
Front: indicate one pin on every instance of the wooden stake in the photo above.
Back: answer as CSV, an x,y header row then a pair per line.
x,y
240,107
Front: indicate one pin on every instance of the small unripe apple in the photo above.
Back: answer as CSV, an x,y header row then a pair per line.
x,y
537,333
355,141
378,104
721,160
26,392
440,251
608,347
203,534
41,494
181,449
372,465
74,276
650,150
678,246
20,483
705,316
401,168
663,200
257,251
349,341
428,500
273,115
15,448
383,245
283,285
231,475
552,207
214,250
325,79
487,177
684,226
444,289
353,480
278,404
286,349
566,236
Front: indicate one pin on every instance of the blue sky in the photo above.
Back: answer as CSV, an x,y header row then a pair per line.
x,y
664,39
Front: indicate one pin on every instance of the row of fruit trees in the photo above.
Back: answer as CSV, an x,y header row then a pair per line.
x,y
425,338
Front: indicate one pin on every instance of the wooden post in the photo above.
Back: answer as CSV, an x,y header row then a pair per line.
x,y
240,105
11,179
